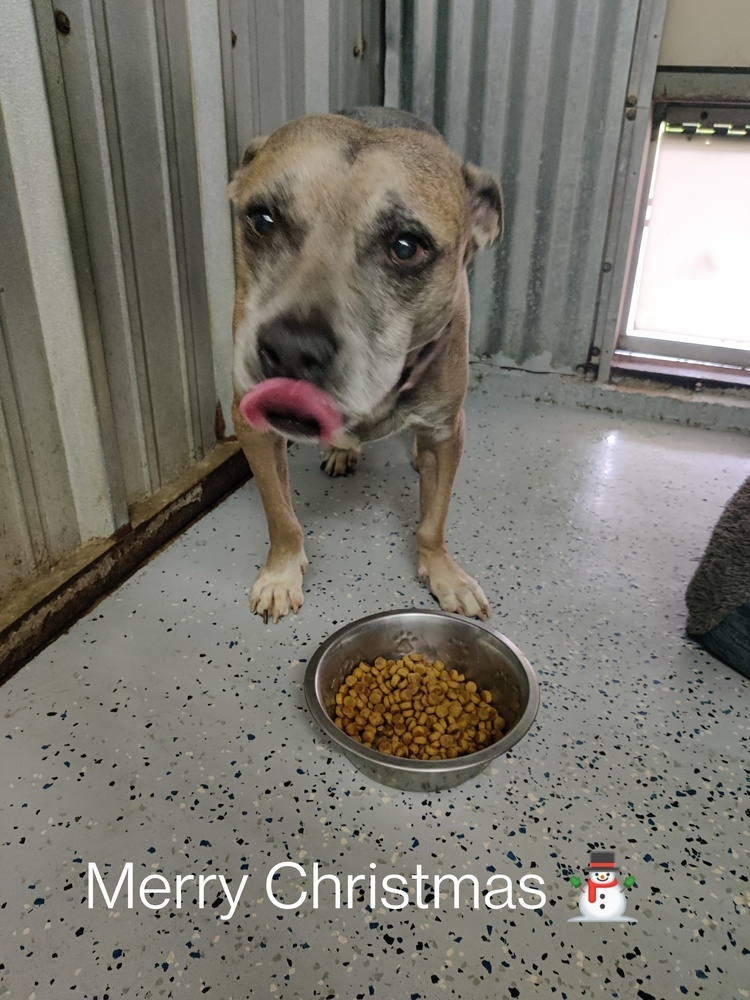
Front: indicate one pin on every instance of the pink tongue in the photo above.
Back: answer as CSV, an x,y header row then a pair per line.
x,y
293,405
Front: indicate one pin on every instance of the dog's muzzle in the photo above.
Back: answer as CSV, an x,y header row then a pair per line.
x,y
295,357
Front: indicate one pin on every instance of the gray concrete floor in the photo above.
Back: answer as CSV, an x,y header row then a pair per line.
x,y
168,729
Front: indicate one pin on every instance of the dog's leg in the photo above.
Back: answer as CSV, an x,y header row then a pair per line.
x,y
278,589
437,454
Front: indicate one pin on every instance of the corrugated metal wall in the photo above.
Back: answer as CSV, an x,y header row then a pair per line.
x,y
285,58
537,92
56,460
120,122
120,93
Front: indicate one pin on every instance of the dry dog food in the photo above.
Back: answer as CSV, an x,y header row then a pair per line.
x,y
417,709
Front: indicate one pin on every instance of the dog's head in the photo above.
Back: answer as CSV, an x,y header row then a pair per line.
x,y
351,240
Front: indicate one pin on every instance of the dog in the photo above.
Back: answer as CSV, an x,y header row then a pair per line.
x,y
352,235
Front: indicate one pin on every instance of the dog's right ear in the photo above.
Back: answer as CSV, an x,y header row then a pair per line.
x,y
251,151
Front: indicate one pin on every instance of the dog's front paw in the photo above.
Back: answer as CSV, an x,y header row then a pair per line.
x,y
340,461
278,589
455,590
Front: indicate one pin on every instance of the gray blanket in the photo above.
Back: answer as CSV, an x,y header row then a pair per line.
x,y
722,581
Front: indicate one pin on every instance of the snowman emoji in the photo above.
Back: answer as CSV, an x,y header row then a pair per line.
x,y
602,897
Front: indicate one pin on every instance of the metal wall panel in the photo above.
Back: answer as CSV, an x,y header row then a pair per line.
x,y
124,74
285,58
113,348
631,178
54,487
536,92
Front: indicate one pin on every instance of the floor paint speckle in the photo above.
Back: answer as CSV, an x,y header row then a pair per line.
x,y
168,729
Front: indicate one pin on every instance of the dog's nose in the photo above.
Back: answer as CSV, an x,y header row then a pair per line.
x,y
291,348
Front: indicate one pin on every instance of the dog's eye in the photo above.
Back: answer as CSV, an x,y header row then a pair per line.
x,y
408,249
261,221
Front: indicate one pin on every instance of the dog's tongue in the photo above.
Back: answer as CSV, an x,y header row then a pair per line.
x,y
291,406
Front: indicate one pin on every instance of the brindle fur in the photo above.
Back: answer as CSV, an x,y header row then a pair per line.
x,y
341,187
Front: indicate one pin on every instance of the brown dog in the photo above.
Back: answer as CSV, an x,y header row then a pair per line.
x,y
352,235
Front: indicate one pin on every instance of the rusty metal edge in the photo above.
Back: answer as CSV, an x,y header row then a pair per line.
x,y
49,606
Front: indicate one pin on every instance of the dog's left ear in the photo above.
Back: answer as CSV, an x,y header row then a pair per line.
x,y
486,205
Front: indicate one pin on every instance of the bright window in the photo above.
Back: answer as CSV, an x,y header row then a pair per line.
x,y
691,293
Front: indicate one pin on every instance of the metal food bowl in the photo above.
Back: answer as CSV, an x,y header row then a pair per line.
x,y
475,650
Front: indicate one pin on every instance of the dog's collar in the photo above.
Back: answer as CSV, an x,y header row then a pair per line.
x,y
417,362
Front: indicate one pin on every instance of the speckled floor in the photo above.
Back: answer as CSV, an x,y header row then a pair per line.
x,y
168,729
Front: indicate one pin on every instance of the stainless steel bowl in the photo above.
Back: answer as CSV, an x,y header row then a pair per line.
x,y
476,650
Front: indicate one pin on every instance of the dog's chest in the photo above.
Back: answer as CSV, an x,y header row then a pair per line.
x,y
409,409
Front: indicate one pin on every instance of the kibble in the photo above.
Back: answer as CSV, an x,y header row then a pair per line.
x,y
413,708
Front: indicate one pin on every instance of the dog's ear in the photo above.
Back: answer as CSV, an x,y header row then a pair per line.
x,y
486,205
251,151
253,148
